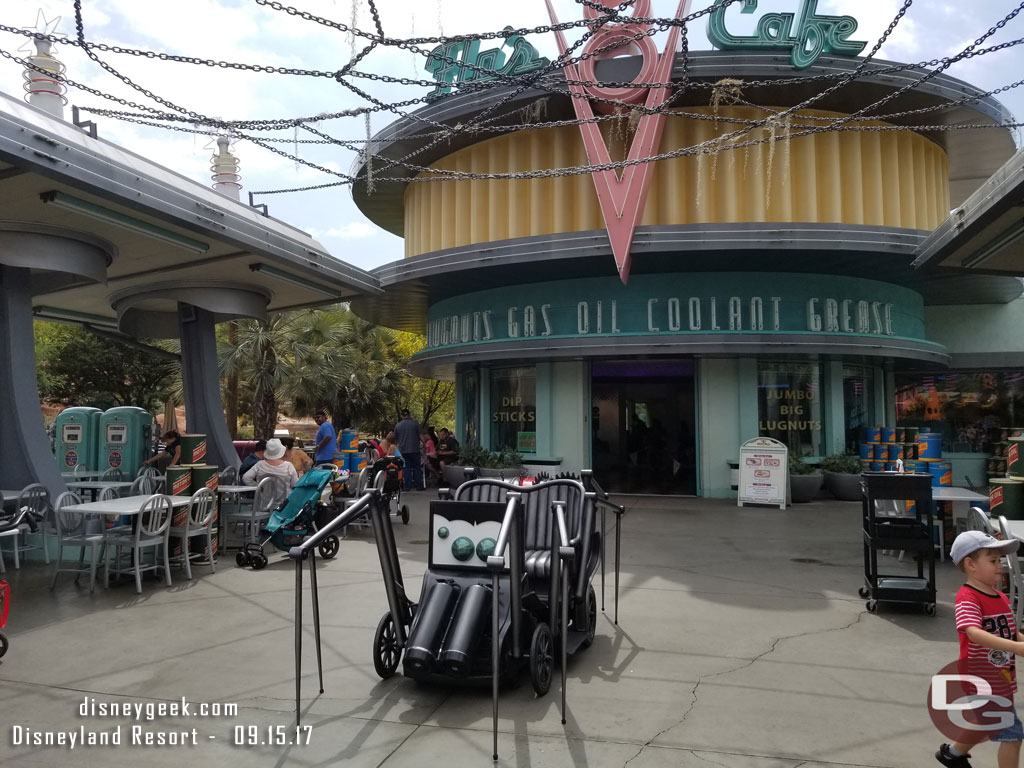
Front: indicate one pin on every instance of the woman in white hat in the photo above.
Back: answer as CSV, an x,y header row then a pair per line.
x,y
274,464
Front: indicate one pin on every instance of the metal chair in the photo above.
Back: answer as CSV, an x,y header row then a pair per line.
x,y
72,531
228,476
142,485
36,498
1015,576
154,521
269,493
978,520
362,485
113,474
198,522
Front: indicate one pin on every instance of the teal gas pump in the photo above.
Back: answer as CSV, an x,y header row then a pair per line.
x,y
77,436
126,439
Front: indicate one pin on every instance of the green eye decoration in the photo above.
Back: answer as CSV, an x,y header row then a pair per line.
x,y
442,532
462,549
485,548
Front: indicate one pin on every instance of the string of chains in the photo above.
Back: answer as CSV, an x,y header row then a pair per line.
x,y
542,79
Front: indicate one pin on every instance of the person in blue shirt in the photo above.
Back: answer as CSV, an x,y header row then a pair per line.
x,y
326,439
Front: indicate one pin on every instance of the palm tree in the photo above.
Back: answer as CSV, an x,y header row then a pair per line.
x,y
311,359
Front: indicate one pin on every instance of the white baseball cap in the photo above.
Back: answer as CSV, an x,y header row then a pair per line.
x,y
969,542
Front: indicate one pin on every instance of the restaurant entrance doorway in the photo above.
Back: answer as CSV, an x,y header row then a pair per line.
x,y
643,426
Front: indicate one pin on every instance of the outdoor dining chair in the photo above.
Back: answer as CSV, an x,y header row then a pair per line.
x,y
198,522
978,520
142,485
154,522
37,499
72,531
228,476
113,474
269,493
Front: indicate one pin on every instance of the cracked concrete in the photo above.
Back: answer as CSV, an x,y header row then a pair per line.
x,y
741,643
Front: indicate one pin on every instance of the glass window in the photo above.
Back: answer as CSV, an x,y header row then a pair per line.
x,y
471,406
789,405
513,406
969,408
858,402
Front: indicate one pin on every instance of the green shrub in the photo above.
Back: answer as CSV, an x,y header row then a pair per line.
x,y
798,465
477,456
841,463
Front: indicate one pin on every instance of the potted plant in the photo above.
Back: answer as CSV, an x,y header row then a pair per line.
x,y
842,476
804,480
505,464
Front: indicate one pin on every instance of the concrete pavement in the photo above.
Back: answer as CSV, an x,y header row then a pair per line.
x,y
741,643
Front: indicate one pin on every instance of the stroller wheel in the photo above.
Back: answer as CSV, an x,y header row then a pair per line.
x,y
405,514
4,644
386,650
242,559
542,658
329,547
259,561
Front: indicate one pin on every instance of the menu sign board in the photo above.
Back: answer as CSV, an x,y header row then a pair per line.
x,y
764,473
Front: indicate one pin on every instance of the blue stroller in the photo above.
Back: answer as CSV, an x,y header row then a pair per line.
x,y
298,517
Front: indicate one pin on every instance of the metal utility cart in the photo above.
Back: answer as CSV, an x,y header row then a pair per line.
x,y
898,513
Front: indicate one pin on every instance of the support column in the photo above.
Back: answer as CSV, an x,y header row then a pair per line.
x,y
833,409
201,382
25,455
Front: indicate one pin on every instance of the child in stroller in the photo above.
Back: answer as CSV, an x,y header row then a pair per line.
x,y
301,515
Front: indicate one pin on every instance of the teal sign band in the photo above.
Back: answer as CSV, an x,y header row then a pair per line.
x,y
694,304
805,34
443,62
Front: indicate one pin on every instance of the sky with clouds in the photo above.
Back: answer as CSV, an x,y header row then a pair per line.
x,y
243,31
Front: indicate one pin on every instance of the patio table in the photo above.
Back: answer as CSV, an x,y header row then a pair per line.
x,y
126,505
90,475
960,499
95,486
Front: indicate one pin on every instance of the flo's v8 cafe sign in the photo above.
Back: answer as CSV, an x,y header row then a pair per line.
x,y
707,303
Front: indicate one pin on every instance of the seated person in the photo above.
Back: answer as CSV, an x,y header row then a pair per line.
x,y
250,461
447,449
431,464
299,458
388,446
171,454
273,464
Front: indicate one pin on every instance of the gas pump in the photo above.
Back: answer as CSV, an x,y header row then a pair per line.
x,y
126,439
77,438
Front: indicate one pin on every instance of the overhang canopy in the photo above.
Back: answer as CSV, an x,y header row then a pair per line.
x,y
986,233
160,226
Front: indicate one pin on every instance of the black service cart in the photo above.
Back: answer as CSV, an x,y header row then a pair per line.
x,y
898,515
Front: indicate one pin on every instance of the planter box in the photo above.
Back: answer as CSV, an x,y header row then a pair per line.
x,y
844,487
804,488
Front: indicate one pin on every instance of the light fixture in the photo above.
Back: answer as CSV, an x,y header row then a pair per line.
x,y
70,316
997,244
288,277
98,212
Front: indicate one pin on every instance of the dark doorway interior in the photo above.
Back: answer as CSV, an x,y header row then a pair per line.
x,y
643,425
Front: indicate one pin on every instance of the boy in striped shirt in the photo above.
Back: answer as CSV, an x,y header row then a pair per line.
x,y
989,640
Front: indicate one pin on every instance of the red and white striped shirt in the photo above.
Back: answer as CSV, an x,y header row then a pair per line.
x,y
992,613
